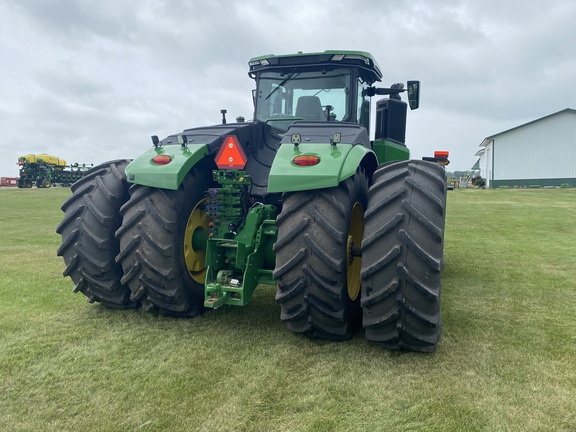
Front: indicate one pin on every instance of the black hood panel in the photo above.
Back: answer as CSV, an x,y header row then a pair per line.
x,y
258,141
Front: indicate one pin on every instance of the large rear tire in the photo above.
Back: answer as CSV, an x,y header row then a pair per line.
x,y
164,270
403,256
316,270
89,247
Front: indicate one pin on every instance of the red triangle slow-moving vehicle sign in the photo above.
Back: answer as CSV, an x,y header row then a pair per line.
x,y
231,155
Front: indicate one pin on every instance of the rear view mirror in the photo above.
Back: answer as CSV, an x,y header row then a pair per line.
x,y
414,94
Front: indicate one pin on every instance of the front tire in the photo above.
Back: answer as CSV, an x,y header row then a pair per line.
x,y
163,269
89,248
403,256
316,271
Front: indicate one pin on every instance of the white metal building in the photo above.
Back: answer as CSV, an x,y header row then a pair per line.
x,y
539,153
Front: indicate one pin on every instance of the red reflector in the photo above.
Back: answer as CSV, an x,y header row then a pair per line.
x,y
441,154
306,160
161,159
231,155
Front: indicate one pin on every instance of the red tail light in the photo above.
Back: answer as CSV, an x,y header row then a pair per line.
x,y
231,155
441,157
161,159
306,160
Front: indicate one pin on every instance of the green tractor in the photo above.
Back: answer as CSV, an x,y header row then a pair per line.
x,y
350,230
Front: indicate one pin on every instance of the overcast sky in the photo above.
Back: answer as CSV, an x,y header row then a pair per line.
x,y
90,81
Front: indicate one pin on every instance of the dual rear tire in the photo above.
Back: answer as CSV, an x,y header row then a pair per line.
x,y
402,235
131,247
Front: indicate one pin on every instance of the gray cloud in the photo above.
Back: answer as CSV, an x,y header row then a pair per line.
x,y
92,81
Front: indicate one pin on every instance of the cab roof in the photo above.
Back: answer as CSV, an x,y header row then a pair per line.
x,y
366,64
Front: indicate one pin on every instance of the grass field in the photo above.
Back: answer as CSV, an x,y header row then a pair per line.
x,y
506,361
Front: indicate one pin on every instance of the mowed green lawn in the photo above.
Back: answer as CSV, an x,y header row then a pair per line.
x,y
506,361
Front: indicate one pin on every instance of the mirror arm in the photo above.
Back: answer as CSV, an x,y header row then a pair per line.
x,y
373,91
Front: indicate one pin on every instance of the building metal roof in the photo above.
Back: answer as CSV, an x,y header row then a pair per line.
x,y
487,140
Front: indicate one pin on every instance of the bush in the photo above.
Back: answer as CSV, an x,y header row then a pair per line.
x,y
479,182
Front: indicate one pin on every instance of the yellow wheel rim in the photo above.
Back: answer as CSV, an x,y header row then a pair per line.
x,y
195,237
354,263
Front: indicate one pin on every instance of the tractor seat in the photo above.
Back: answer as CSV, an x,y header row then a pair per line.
x,y
309,108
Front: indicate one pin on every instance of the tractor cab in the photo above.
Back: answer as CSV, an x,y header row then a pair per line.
x,y
327,86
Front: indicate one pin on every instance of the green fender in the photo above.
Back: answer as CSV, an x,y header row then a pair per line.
x,y
337,163
144,171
